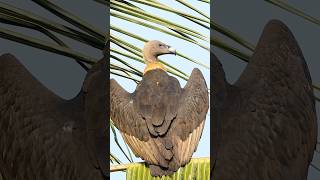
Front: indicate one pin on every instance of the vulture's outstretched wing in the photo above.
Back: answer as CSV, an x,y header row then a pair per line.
x,y
43,136
188,125
22,100
269,123
20,86
131,124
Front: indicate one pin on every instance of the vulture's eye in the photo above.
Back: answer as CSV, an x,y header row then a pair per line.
x,y
160,45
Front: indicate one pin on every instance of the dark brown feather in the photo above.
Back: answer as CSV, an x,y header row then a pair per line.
x,y
156,100
164,119
268,118
43,136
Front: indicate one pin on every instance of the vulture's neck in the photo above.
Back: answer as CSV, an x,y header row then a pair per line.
x,y
152,65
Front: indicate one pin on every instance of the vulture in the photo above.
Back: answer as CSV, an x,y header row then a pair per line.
x,y
265,124
43,136
160,121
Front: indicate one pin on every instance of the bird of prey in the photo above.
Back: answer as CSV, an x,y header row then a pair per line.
x,y
43,136
160,121
265,124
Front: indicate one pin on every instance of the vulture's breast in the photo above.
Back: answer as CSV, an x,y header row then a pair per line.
x,y
156,99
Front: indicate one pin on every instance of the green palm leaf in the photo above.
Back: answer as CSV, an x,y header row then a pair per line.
x,y
197,168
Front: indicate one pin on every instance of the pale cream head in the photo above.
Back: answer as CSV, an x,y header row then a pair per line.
x,y
153,49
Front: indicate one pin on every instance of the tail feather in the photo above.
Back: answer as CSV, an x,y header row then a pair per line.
x,y
159,171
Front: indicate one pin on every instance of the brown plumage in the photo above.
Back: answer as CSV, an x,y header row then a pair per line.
x,y
43,136
267,119
160,121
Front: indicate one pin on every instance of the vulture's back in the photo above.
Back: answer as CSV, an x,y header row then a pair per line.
x,y
156,99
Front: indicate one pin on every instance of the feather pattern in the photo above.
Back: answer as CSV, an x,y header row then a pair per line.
x,y
268,118
43,136
160,121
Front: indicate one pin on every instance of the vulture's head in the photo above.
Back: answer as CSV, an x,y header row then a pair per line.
x,y
153,49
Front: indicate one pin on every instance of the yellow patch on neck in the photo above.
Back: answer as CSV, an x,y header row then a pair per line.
x,y
153,65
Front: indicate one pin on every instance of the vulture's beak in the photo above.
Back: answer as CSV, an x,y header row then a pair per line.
x,y
172,50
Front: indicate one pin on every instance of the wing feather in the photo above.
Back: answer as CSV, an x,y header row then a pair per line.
x,y
17,83
189,145
133,127
147,152
269,121
123,114
43,135
193,105
188,125
277,76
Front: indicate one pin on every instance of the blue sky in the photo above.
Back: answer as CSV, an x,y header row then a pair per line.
x,y
181,46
